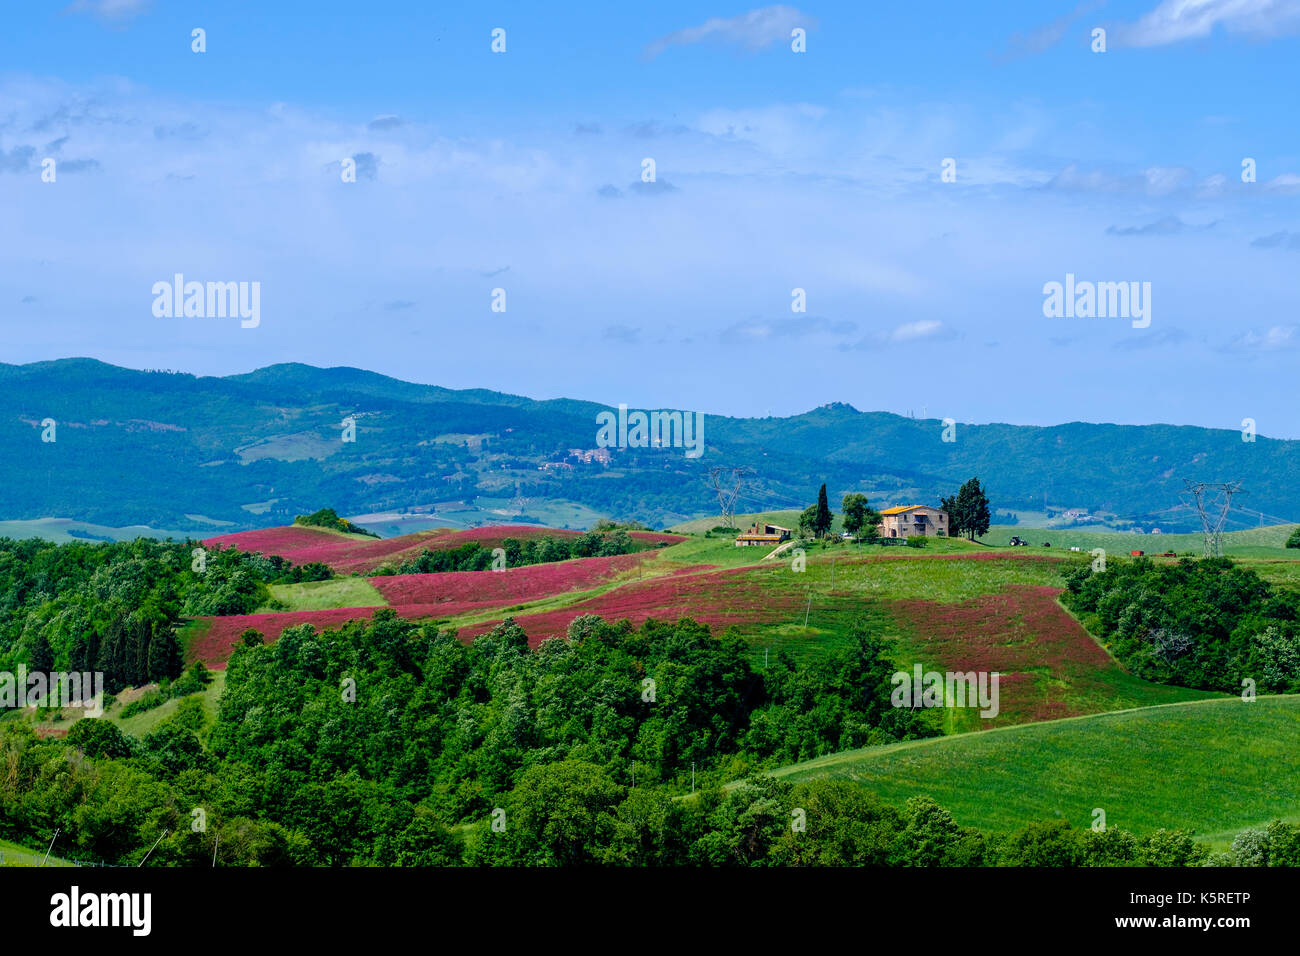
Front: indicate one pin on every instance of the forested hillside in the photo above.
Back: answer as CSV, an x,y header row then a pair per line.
x,y
173,450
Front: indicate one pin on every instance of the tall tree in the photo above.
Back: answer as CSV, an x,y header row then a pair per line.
x,y
974,507
822,520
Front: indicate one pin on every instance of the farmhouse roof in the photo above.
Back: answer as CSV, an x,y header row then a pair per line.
x,y
901,508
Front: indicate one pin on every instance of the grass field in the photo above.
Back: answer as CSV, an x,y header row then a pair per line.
x,y
146,722
65,530
1254,543
13,854
323,595
1211,767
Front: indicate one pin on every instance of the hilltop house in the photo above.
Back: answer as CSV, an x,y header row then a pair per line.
x,y
907,520
767,534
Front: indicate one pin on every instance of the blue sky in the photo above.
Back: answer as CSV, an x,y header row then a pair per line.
x,y
775,170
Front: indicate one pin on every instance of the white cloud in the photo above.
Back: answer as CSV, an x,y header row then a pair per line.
x,y
910,331
109,9
752,31
1274,339
1176,20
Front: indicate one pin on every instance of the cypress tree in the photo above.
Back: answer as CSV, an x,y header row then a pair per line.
x,y
822,520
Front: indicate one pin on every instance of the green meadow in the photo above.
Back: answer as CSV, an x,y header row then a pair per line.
x,y
323,595
1211,767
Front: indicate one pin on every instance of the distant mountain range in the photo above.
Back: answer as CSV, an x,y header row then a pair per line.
x,y
195,453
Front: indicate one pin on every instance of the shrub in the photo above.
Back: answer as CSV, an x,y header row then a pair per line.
x,y
96,737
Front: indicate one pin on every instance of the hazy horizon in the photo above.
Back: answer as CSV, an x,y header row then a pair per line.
x,y
381,176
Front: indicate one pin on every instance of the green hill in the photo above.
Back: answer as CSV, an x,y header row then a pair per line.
x,y
1212,767
178,451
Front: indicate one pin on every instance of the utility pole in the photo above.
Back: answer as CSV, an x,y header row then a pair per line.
x,y
807,609
154,847
51,846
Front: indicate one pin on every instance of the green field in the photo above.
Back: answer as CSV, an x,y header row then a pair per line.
x,y
1211,767
13,854
323,595
66,530
1256,543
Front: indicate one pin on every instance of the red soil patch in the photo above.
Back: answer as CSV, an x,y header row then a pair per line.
x,y
1020,632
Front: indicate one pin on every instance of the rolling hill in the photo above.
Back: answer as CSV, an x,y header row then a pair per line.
x,y
1212,767
204,454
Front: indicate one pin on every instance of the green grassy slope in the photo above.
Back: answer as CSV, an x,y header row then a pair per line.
x,y
322,595
1256,542
1212,767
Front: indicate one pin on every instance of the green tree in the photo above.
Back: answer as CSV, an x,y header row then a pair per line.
x,y
970,513
860,519
821,523
562,813
40,659
98,738
956,525
806,519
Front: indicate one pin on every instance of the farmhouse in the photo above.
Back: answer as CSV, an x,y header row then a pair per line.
x,y
907,520
767,534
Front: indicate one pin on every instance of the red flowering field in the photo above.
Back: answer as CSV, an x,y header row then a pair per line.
x,y
510,586
213,644
717,598
1049,665
417,596
344,554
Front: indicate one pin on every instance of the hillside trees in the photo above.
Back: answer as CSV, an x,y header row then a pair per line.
x,y
115,607
1207,624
